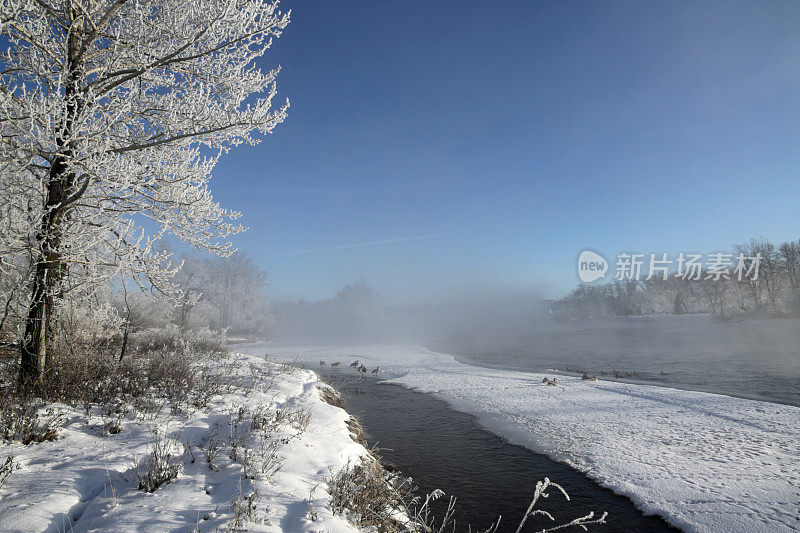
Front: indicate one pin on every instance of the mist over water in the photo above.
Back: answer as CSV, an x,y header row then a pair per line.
x,y
754,358
757,359
357,313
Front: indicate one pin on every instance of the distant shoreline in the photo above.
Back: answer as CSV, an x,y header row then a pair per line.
x,y
612,379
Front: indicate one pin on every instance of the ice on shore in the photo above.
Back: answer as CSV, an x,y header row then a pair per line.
x,y
705,462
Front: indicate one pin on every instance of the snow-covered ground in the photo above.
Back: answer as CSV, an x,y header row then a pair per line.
x,y
705,462
85,481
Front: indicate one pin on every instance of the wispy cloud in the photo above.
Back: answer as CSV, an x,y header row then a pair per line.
x,y
361,244
668,132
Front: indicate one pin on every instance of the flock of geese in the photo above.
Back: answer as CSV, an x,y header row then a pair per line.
x,y
554,382
588,377
360,368
617,374
355,364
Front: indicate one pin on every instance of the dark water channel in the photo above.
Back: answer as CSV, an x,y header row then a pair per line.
x,y
442,448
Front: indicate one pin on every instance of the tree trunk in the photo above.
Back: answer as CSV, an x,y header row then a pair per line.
x,y
61,186
34,351
124,340
50,270
185,308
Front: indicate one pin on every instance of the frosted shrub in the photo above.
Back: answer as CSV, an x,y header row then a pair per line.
x,y
332,397
541,491
207,340
368,495
356,431
270,462
171,339
158,364
263,419
209,383
20,420
244,508
239,435
6,468
86,327
423,520
112,416
300,419
165,462
372,497
168,338
213,447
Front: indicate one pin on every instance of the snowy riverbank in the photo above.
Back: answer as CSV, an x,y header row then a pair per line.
x,y
705,462
86,480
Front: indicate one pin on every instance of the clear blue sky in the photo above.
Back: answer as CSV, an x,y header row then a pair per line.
x,y
433,145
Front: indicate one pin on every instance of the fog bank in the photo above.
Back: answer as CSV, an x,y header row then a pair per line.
x,y
358,313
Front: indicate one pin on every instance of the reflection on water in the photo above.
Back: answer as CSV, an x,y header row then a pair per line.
x,y
445,449
753,358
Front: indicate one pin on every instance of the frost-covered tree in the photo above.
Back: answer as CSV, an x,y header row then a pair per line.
x,y
223,293
113,114
236,289
10,9
790,259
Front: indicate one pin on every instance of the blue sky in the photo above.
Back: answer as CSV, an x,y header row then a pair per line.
x,y
435,146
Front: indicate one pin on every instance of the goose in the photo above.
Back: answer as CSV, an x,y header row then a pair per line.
x,y
375,371
355,364
322,363
337,363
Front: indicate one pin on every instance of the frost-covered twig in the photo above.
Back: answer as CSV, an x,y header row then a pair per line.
x,y
541,492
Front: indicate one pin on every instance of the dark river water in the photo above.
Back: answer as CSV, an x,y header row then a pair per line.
x,y
757,359
442,448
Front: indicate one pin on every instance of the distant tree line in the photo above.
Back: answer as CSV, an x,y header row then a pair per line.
x,y
354,312
206,296
216,293
774,292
